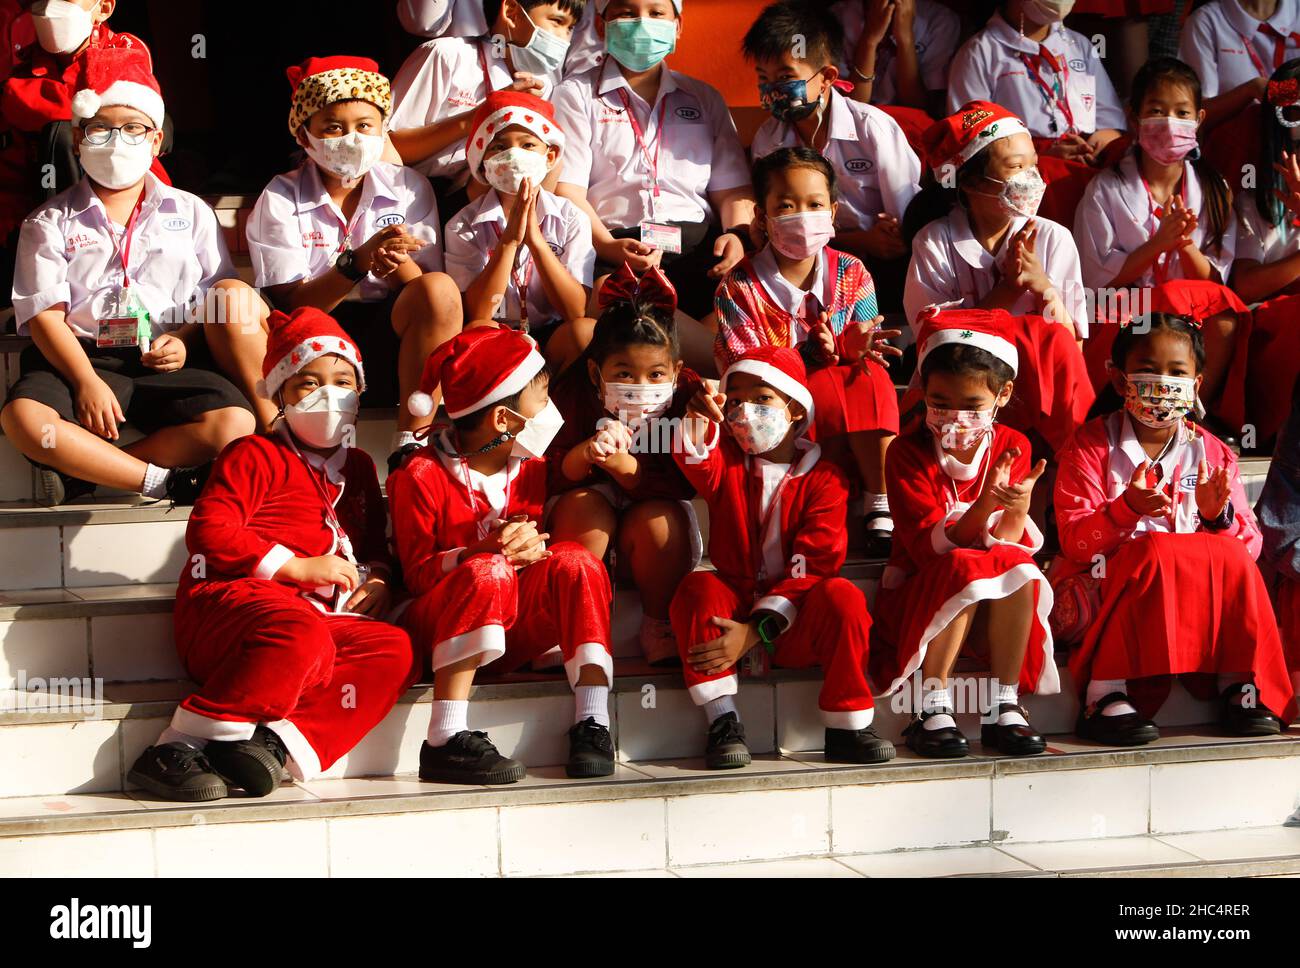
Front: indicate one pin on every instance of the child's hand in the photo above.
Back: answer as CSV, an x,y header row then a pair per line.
x,y
1015,497
372,598
884,240
707,405
728,250
878,15
638,255
393,238
1030,274
322,570
521,542
1073,148
526,83
720,654
166,354
825,340
517,224
612,438
1290,171
1150,502
97,408
1213,491
867,341
999,478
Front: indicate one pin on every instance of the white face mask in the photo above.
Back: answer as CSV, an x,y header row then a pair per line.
x,y
117,165
62,26
322,417
506,170
348,157
539,430
757,427
634,402
543,54
1021,194
1049,11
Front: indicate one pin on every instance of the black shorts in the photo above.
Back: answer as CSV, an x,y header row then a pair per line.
x,y
149,399
370,324
687,270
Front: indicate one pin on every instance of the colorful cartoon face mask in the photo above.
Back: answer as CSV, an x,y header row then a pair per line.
x,y
1159,401
758,428
788,100
959,429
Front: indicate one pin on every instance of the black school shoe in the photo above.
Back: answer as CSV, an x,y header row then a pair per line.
x,y
857,746
54,487
468,757
185,484
1240,720
1130,729
253,765
726,749
591,750
175,771
1013,740
947,743
879,541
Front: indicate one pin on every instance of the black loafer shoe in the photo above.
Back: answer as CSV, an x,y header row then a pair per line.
x,y
1013,740
726,749
55,488
468,757
185,484
857,746
879,541
591,750
175,771
253,765
1239,719
1130,729
946,743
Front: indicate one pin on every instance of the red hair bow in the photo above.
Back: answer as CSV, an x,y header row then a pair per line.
x,y
653,289
1283,94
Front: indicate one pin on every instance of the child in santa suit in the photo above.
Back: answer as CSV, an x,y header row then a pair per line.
x,y
276,613
465,516
1152,509
777,541
963,570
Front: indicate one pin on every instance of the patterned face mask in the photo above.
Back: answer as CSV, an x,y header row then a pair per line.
x,y
959,429
758,428
1159,401
787,100
634,402
1022,193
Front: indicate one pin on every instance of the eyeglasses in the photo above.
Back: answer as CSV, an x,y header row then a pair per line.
x,y
98,133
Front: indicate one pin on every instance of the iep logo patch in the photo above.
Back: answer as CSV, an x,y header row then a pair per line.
x,y
393,218
688,114
176,224
859,165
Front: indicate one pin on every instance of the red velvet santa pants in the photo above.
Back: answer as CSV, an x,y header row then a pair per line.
x,y
832,630
485,608
262,654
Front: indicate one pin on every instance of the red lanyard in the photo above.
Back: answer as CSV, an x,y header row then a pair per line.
x,y
652,163
1279,48
1157,212
347,229
331,515
487,78
124,249
521,284
1058,95
764,518
978,480
480,521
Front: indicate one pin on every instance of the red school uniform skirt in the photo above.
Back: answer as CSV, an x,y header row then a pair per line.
x,y
1273,362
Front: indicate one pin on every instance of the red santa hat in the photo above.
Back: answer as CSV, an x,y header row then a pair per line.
x,y
780,368
298,339
509,109
109,77
988,329
960,137
319,82
476,368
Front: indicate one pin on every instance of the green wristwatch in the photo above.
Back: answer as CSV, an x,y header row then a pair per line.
x,y
769,630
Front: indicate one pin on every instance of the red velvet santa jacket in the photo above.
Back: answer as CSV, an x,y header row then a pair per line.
x,y
806,533
263,505
434,519
1091,514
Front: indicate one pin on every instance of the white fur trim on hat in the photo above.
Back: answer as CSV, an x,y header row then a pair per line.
x,y
523,374
999,129
306,352
128,94
554,137
774,377
996,345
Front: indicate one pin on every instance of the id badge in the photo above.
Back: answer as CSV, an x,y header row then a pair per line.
x,y
125,323
666,238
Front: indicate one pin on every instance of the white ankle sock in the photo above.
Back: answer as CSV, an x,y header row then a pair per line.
x,y
720,707
591,702
404,437
931,702
155,481
1006,693
1099,688
448,717
172,735
876,507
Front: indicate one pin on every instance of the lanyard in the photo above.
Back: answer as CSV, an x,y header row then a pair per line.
x,y
978,480
345,226
652,163
1279,48
764,518
480,521
341,538
1057,95
124,247
1160,267
522,283
487,78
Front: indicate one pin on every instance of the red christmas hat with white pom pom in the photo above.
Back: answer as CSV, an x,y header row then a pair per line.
x,y
298,339
116,77
475,369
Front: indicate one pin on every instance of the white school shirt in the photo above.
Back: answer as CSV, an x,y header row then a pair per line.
x,y
441,79
465,18
69,252
1218,40
475,231
876,170
1258,239
296,231
699,149
950,268
799,303
989,68
1115,217
936,30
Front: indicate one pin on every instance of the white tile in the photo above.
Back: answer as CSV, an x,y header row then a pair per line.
x,y
435,843
925,813
1246,793
1249,842
116,554
943,862
132,648
799,726
391,747
1070,804
43,648
46,758
664,724
30,559
65,805
693,767
286,792
1076,855
534,731
361,788
566,838
283,848
104,853
655,875
724,827
797,867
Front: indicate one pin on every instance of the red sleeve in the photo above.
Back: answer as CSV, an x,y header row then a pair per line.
x,y
702,466
415,524
1089,522
819,546
244,475
915,508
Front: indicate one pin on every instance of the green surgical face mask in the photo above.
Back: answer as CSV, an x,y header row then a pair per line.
x,y
639,44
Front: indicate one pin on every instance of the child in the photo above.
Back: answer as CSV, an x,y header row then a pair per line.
x,y
612,461
355,236
799,292
902,56
277,613
978,243
963,567
115,280
1163,216
1151,508
518,237
653,158
465,517
876,170
777,541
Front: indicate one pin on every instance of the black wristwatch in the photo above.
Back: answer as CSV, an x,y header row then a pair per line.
x,y
347,267
1222,523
